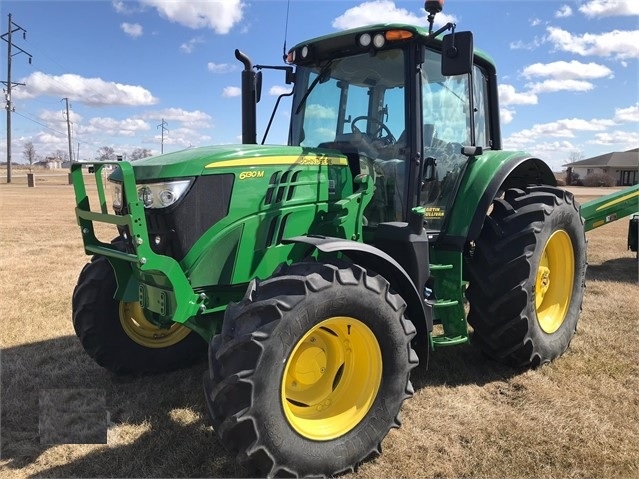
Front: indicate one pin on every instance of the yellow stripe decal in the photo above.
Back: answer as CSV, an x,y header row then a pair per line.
x,y
618,200
303,160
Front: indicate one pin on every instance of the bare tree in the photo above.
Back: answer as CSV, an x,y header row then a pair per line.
x,y
139,153
571,176
30,154
105,153
576,156
61,155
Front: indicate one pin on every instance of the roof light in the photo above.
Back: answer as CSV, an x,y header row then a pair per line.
x,y
290,58
393,35
379,40
304,51
365,39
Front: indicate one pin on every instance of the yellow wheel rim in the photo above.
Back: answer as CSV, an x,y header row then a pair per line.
x,y
554,284
145,333
331,378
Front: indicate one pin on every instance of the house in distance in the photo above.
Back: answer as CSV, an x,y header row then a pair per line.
x,y
620,166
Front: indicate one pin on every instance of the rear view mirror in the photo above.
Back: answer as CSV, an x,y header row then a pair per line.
x,y
457,54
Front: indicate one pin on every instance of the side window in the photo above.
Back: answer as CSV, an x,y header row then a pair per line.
x,y
482,125
446,108
320,117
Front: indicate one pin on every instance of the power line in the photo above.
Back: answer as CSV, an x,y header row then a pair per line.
x,y
13,28
31,118
39,123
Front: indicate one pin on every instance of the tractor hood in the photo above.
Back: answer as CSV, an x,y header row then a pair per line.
x,y
211,159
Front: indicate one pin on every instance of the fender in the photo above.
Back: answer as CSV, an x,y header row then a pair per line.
x,y
484,177
419,312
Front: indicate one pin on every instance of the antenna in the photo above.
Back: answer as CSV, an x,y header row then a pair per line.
x,y
288,6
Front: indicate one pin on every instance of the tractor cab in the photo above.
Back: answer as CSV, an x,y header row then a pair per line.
x,y
378,95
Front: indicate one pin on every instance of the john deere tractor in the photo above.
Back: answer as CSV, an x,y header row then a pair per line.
x,y
320,272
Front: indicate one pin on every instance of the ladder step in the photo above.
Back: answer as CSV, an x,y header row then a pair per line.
x,y
440,267
443,341
443,303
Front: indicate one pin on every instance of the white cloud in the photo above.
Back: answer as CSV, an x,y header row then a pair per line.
x,y
90,91
220,67
551,86
563,12
609,8
384,11
133,30
182,137
111,126
535,22
193,119
216,15
320,111
509,96
630,114
231,91
619,44
121,7
626,138
521,45
59,116
567,70
506,115
565,128
278,90
46,143
189,46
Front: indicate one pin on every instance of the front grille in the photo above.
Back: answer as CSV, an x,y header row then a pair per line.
x,y
174,230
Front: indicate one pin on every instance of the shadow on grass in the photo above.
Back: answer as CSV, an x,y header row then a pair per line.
x,y
158,424
617,269
460,365
163,425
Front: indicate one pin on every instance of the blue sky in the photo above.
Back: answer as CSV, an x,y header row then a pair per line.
x,y
568,70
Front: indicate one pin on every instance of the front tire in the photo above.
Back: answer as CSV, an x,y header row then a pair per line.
x,y
117,335
310,370
527,276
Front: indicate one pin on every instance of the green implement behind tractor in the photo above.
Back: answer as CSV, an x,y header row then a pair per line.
x,y
319,273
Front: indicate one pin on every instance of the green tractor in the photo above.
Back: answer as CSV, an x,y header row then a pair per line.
x,y
318,272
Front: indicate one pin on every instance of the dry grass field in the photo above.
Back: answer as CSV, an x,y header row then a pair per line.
x,y
470,417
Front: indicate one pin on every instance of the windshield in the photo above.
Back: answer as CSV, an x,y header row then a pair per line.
x,y
362,92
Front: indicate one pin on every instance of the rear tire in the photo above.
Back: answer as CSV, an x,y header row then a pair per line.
x,y
527,276
310,370
116,334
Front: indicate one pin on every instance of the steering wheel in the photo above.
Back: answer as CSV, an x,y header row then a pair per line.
x,y
382,128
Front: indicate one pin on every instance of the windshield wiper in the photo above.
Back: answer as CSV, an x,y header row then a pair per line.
x,y
321,77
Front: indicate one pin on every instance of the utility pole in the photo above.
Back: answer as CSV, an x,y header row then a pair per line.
x,y
69,133
13,27
163,126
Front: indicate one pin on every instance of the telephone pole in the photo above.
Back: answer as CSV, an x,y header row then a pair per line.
x,y
13,28
163,126
69,133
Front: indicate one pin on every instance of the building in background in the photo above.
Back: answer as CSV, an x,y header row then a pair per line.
x,y
621,166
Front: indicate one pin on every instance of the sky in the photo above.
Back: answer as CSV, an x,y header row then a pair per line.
x,y
567,70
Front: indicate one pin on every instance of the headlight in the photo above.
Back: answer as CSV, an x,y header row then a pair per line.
x,y
161,195
116,194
